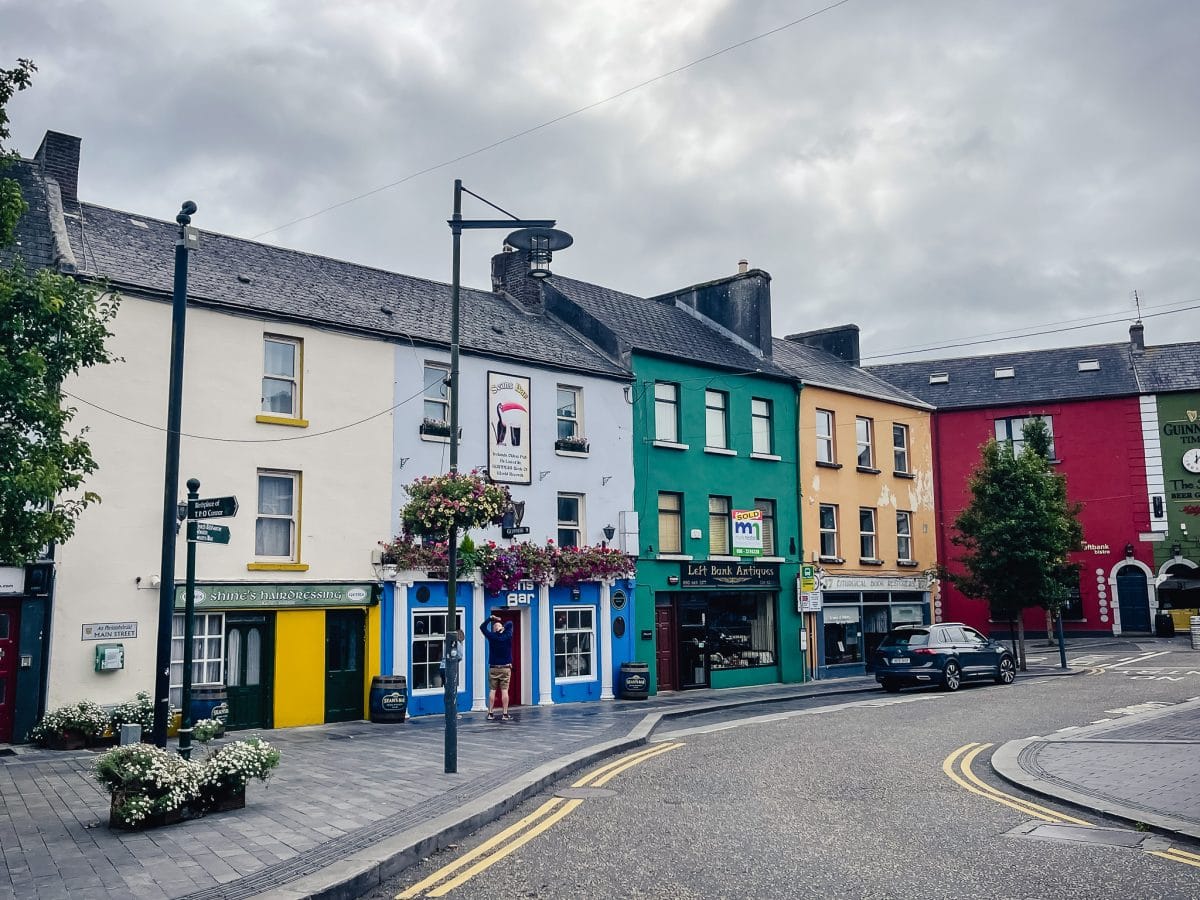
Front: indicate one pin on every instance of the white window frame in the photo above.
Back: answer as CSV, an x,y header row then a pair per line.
x,y
864,443
716,419
762,426
903,536
833,532
297,346
567,524
438,387
900,450
435,639
591,656
666,411
864,535
294,518
1012,432
201,661
677,512
826,446
574,421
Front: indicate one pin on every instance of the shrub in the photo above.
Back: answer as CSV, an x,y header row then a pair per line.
x,y
85,717
235,764
145,780
139,711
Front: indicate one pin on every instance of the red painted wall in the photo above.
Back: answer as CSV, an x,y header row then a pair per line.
x,y
1099,445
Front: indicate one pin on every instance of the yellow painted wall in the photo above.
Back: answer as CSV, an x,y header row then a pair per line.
x,y
374,659
850,489
299,667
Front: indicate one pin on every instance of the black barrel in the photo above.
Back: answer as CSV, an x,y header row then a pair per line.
x,y
389,698
210,701
633,681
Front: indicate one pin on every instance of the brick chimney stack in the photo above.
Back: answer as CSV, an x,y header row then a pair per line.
x,y
58,157
1137,337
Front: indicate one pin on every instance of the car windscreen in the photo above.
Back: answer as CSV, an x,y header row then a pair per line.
x,y
909,637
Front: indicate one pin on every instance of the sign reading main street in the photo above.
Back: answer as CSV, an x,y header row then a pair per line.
x,y
213,508
209,533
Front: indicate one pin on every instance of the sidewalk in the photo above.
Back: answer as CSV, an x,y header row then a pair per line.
x,y
352,803
1141,768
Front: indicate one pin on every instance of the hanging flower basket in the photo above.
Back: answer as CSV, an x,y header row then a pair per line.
x,y
438,503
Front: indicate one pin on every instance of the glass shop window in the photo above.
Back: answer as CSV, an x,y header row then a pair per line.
x,y
740,631
574,642
428,647
843,635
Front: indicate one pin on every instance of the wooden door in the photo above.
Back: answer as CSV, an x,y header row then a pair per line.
x,y
516,686
249,665
664,623
1133,599
345,639
9,615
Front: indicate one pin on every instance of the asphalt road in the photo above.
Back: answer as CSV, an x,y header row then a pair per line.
x,y
852,796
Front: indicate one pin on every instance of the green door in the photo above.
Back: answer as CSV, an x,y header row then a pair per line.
x,y
249,664
345,633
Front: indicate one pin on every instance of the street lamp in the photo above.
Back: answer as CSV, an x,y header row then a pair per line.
x,y
539,232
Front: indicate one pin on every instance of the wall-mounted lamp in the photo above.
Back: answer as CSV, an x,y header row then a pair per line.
x,y
383,565
1129,551
609,532
1176,551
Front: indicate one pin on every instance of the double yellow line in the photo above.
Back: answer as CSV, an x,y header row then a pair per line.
x,y
957,767
521,833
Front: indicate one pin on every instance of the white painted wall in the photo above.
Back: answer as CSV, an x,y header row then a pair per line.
x,y
604,476
346,502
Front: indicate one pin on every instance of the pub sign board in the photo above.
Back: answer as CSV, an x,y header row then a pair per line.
x,y
753,575
509,425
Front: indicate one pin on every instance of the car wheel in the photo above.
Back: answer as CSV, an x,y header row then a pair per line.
x,y
891,686
1007,673
951,676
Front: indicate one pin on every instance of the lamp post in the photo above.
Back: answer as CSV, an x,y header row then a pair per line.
x,y
539,232
188,239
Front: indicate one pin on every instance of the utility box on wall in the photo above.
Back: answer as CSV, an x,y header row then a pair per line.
x,y
110,657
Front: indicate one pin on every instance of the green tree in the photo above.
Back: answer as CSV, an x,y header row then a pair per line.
x,y
1017,531
51,326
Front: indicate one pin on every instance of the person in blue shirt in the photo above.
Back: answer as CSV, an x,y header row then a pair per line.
x,y
500,640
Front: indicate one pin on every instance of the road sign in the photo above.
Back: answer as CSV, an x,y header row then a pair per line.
x,y
213,508
808,578
208,533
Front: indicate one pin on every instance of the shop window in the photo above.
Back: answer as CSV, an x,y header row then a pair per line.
x,y
829,531
428,646
666,412
843,635
864,436
281,376
740,631
900,449
761,432
716,415
570,520
718,526
670,522
903,536
866,533
208,652
569,412
278,512
1012,432
767,508
574,642
825,447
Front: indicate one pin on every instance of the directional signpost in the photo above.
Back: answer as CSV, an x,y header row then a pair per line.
x,y
199,531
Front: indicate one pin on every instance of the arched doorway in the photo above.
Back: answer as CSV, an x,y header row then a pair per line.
x,y
1133,599
1180,588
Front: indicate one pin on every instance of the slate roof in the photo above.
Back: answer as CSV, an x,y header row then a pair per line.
x,y
661,328
1170,367
34,239
821,368
1039,376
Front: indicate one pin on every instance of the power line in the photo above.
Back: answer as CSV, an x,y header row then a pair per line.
x,y
560,118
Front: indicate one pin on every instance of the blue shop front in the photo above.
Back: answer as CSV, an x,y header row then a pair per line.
x,y
568,641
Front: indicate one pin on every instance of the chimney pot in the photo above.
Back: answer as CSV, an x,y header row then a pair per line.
x,y
743,266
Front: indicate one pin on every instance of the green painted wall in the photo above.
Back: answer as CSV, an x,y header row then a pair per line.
x,y
697,474
1179,434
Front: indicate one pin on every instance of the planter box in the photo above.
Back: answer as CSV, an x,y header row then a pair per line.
x,y
225,800
572,446
66,740
155,820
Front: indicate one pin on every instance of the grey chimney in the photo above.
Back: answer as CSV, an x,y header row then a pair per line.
x,y
1137,337
740,304
841,341
743,266
510,274
58,157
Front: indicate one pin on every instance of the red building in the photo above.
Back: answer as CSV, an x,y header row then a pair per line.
x,y
1089,398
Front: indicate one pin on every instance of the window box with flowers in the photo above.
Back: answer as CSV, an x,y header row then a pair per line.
x,y
573,444
437,428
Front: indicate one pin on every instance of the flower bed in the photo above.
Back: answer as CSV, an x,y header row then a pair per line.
x,y
87,724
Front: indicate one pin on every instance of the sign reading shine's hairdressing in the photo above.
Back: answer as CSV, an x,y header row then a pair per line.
x,y
275,596
729,574
508,426
747,532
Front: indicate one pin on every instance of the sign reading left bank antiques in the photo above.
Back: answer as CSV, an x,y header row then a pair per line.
x,y
275,596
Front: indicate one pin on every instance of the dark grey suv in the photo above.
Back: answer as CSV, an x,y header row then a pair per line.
x,y
948,654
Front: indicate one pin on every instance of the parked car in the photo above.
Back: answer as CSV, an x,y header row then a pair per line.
x,y
948,654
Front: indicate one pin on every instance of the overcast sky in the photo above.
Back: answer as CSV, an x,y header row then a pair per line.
x,y
936,172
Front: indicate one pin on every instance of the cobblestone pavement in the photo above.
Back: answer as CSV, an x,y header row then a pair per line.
x,y
341,789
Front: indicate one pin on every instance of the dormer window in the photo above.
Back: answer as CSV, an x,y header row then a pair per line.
x,y
1089,365
1005,372
939,378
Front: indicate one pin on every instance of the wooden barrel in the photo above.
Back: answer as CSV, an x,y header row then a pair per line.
x,y
389,698
210,701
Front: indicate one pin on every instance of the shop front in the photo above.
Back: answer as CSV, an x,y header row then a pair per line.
x,y
284,654
720,629
568,642
856,613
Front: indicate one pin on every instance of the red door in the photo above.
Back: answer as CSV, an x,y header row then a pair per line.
x,y
516,687
664,621
8,667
